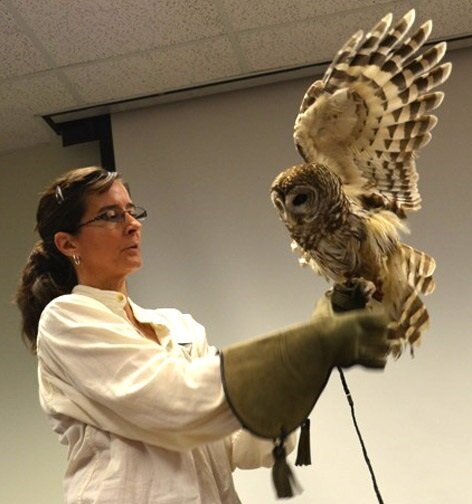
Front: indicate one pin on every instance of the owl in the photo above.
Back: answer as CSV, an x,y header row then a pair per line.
x,y
358,131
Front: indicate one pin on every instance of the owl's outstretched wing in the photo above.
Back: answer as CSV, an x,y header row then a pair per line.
x,y
370,114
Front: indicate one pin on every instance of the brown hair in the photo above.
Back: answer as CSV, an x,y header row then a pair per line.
x,y
48,273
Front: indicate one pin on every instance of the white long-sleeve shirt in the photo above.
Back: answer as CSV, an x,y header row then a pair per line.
x,y
144,423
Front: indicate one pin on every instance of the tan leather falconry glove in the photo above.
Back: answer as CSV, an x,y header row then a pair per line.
x,y
273,382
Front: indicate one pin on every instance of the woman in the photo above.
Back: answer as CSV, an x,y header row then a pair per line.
x,y
148,411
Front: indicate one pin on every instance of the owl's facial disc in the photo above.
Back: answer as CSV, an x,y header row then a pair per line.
x,y
301,201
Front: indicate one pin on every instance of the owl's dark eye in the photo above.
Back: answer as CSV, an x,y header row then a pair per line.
x,y
300,199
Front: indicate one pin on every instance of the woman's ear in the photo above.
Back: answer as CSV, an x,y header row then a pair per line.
x,y
66,243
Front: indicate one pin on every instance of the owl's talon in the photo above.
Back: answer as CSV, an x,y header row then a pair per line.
x,y
364,287
351,295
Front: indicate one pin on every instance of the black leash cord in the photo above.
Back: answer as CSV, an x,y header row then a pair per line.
x,y
364,450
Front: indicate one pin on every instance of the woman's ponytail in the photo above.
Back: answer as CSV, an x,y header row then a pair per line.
x,y
44,277
48,273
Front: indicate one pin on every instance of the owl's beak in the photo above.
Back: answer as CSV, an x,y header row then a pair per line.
x,y
278,200
291,220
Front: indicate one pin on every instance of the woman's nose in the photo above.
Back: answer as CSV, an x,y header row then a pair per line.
x,y
132,223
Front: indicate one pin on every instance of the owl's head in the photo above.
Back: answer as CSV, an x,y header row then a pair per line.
x,y
303,193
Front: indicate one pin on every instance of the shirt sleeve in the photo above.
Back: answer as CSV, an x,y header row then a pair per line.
x,y
93,367
247,451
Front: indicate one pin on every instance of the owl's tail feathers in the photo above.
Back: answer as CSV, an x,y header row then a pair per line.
x,y
419,269
412,321
410,315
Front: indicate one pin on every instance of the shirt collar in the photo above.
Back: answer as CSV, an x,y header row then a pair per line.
x,y
114,300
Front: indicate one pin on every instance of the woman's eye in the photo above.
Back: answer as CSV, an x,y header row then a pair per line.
x,y
111,215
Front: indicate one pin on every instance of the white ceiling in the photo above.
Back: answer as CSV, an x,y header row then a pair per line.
x,y
60,55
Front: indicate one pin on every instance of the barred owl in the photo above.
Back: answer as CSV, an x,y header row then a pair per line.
x,y
358,131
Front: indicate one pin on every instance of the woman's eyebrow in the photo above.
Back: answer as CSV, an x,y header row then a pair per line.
x,y
114,207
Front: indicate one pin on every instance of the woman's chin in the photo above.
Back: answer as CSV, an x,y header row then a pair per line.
x,y
136,265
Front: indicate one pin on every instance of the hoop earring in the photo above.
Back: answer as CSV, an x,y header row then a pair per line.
x,y
76,259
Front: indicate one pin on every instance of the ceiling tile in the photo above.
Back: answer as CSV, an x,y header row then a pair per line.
x,y
177,21
38,94
154,71
310,42
247,14
452,18
19,131
86,30
18,56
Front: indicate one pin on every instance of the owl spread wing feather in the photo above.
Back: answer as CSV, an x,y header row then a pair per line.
x,y
370,114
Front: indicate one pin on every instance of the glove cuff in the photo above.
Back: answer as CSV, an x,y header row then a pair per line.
x,y
268,388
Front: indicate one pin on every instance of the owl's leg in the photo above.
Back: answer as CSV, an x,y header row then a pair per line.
x,y
366,288
352,294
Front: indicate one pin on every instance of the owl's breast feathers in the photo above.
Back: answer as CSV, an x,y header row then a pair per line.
x,y
358,244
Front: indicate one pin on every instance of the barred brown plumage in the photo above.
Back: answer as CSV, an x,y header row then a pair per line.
x,y
359,130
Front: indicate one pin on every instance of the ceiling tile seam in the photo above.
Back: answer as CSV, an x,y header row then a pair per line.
x,y
250,72
55,70
120,57
334,14
18,78
116,57
232,36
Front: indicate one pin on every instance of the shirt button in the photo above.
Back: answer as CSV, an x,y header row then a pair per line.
x,y
121,297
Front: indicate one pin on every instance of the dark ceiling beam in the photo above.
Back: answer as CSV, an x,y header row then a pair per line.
x,y
89,129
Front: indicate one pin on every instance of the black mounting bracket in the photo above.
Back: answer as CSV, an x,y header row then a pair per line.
x,y
89,129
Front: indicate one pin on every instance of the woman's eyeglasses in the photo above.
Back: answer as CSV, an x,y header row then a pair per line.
x,y
115,215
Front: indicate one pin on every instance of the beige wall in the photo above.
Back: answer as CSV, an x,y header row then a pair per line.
x,y
214,247
31,460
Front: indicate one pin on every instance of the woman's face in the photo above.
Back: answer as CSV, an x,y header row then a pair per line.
x,y
108,252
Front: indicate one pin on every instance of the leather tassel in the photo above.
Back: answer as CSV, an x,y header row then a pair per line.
x,y
304,452
282,476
